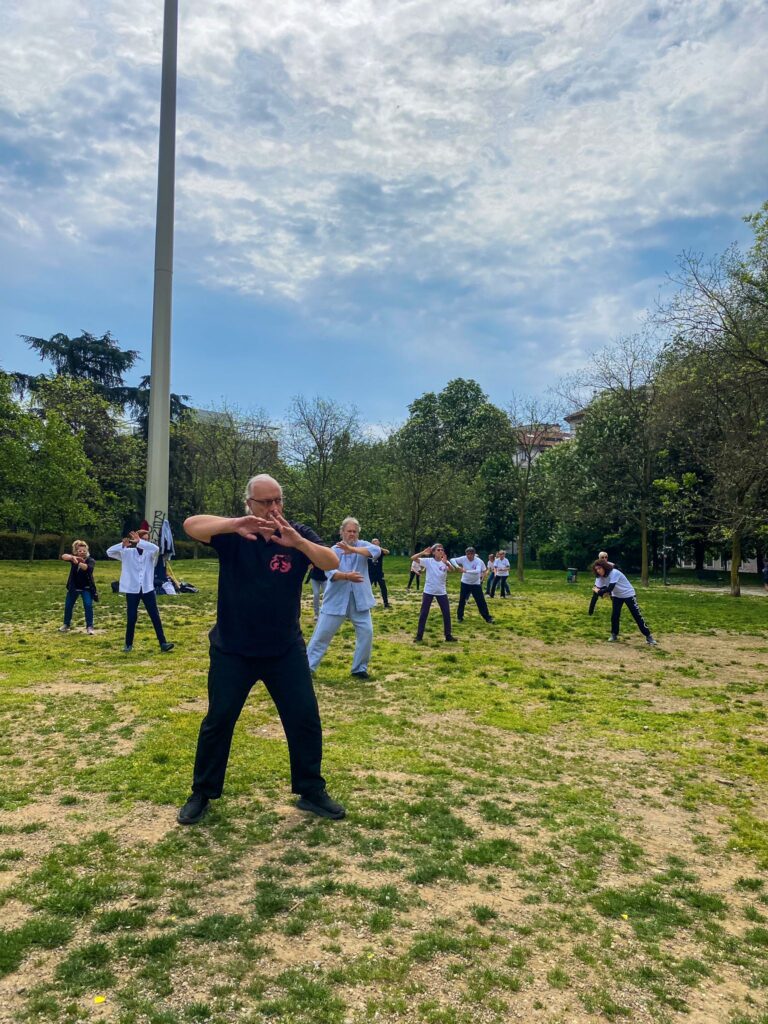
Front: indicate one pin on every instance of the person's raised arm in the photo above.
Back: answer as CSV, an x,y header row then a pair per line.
x,y
204,527
369,551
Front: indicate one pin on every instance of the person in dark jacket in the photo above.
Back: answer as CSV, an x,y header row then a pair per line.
x,y
79,584
376,571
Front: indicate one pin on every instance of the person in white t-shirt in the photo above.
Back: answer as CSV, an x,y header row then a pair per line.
x,y
137,555
500,574
473,572
609,581
489,577
434,560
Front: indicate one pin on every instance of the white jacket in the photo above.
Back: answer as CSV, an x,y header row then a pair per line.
x,y
137,572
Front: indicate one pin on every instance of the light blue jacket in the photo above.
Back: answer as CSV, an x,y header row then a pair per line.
x,y
337,595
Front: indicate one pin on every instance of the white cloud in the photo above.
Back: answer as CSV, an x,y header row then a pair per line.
x,y
510,149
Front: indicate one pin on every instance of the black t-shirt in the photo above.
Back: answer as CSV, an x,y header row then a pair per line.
x,y
81,579
259,601
376,569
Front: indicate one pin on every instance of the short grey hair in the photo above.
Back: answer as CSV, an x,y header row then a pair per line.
x,y
347,521
260,478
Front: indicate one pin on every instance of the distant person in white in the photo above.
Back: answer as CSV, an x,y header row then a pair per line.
x,y
137,555
473,571
437,566
500,574
415,574
348,595
609,581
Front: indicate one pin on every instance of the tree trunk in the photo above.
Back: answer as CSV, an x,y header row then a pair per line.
x,y
644,548
735,563
760,557
521,546
698,555
32,545
196,551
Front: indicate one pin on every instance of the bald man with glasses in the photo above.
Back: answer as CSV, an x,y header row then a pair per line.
x,y
263,559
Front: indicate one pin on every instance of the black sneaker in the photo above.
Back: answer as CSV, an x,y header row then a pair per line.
x,y
360,675
451,640
166,647
458,619
418,639
128,648
321,804
490,619
193,810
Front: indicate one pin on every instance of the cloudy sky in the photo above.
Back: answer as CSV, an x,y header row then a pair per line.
x,y
373,196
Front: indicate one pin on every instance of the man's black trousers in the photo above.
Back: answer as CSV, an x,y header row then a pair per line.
x,y
132,612
634,611
382,584
289,683
504,585
476,590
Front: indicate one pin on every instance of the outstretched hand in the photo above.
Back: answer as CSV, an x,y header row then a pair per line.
x,y
348,549
282,531
253,527
354,577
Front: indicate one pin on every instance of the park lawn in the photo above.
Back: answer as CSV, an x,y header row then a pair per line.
x,y
541,827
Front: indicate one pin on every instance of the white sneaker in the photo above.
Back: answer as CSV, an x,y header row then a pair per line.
x,y
89,631
64,629
612,639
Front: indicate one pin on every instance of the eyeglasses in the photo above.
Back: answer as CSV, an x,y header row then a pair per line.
x,y
266,502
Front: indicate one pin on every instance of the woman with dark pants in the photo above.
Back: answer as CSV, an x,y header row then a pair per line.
x,y
500,574
608,580
415,574
437,566
79,584
137,556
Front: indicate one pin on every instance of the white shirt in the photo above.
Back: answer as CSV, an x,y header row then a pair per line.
x,y
501,565
417,567
137,571
436,572
472,569
623,587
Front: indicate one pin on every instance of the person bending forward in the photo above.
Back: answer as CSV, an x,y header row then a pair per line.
x,y
263,559
348,595
608,580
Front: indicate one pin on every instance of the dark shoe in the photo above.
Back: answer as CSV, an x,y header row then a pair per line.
x,y
490,619
360,675
451,640
321,804
128,648
166,647
651,642
65,628
418,639
459,619
193,810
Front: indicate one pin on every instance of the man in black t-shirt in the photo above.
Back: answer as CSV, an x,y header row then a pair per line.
x,y
263,559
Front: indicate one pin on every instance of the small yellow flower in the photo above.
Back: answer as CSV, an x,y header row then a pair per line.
x,y
625,917
99,999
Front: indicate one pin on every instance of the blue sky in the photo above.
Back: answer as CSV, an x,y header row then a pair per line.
x,y
373,196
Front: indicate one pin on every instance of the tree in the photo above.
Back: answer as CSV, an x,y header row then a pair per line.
x,y
618,438
57,491
102,362
532,429
320,438
116,457
99,360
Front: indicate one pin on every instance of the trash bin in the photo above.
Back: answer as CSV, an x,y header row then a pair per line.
x,y
572,575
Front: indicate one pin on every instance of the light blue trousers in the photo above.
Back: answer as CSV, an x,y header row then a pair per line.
x,y
326,629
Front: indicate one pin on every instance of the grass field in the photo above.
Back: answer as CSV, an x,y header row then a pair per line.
x,y
541,827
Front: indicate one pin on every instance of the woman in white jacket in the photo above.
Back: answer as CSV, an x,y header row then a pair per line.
x,y
137,555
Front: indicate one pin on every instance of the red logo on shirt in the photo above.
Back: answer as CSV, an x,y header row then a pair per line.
x,y
280,563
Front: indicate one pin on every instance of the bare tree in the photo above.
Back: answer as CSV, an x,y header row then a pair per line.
x,y
534,430
319,439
